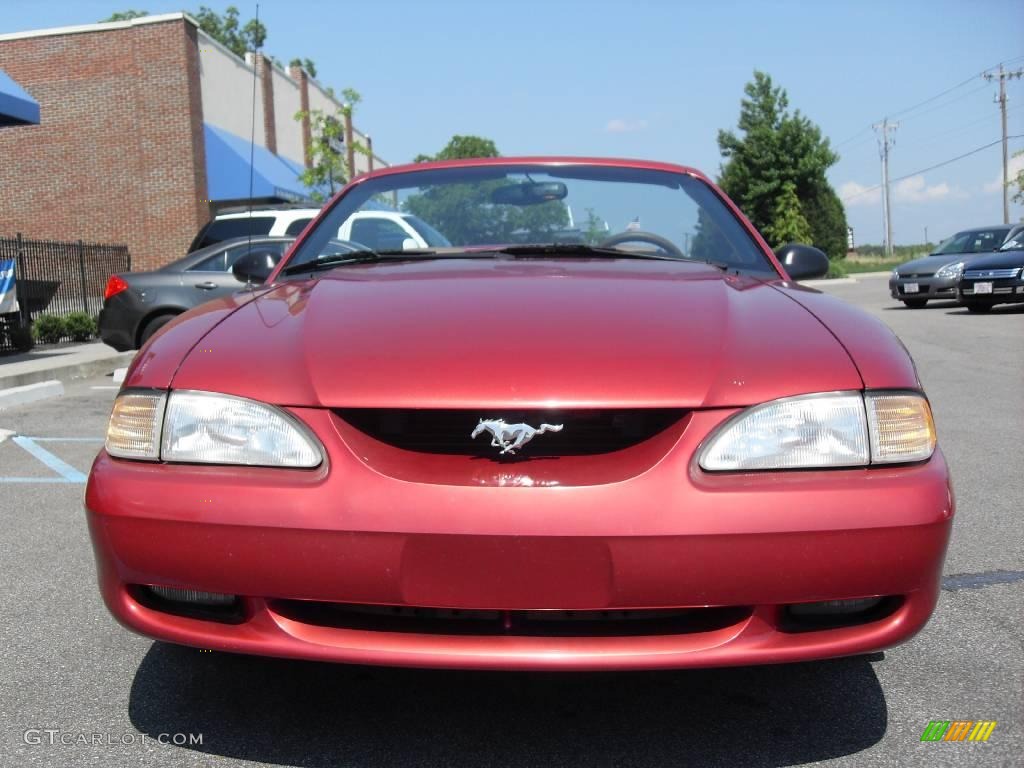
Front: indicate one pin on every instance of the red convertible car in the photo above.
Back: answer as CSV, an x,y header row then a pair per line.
x,y
603,430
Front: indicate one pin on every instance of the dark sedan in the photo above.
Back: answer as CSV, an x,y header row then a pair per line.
x,y
935,275
137,304
995,279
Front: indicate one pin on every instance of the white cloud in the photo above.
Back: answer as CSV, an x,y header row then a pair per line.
x,y
915,190
853,194
622,125
911,190
1014,167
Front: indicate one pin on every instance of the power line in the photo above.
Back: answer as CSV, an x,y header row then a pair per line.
x,y
945,104
868,128
961,128
930,167
969,80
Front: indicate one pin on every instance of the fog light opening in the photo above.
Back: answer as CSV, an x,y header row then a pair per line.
x,y
835,607
831,614
193,603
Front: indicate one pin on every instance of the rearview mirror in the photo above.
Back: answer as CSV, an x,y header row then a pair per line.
x,y
529,193
255,267
802,262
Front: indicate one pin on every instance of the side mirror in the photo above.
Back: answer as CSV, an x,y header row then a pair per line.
x,y
255,267
802,262
409,244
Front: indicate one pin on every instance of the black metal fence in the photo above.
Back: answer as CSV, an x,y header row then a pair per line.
x,y
57,278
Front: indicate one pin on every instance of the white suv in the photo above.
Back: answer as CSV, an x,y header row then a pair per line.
x,y
380,230
276,220
391,231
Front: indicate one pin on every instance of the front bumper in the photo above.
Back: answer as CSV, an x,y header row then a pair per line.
x,y
928,288
1003,291
670,537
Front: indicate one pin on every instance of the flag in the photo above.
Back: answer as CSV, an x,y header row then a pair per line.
x,y
8,297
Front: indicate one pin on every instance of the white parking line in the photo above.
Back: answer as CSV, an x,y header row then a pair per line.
x,y
66,473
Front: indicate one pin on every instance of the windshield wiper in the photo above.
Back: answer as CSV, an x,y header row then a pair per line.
x,y
581,249
360,256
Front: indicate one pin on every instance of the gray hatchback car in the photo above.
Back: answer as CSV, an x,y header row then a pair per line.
x,y
935,276
138,304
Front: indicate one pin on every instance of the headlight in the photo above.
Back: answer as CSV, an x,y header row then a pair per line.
x,y
895,274
951,270
208,428
834,429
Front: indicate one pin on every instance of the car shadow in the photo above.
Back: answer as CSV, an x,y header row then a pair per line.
x,y
998,309
932,304
308,714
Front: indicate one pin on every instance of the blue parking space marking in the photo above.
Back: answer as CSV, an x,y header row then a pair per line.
x,y
66,473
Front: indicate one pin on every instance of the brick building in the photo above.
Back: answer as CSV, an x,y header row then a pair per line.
x,y
145,131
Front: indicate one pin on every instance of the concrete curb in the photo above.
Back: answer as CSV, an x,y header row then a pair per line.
x,y
30,393
76,370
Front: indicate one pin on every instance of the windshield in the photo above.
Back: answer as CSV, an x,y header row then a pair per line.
x,y
975,241
1015,243
475,208
430,236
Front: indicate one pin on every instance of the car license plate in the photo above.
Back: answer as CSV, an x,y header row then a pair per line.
x,y
911,288
983,287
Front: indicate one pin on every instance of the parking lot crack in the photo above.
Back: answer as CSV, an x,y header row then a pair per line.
x,y
958,581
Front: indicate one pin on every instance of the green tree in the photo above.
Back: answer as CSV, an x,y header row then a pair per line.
x,y
788,223
824,213
230,32
328,171
226,30
595,229
306,64
462,148
465,213
127,15
776,146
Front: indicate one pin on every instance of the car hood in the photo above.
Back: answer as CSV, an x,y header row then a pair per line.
x,y
461,333
929,265
1000,260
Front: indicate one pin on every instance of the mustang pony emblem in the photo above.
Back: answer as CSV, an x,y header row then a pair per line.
x,y
511,437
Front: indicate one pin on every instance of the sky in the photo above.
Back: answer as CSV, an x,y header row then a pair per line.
x,y
658,79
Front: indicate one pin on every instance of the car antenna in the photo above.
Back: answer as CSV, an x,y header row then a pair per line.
x,y
252,133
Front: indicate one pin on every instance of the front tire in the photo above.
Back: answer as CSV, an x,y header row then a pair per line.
x,y
915,303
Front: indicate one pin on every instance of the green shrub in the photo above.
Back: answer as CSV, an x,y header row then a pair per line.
x,y
80,326
21,337
836,269
49,329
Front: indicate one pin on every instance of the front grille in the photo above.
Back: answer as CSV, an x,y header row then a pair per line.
x,y
991,274
583,433
544,623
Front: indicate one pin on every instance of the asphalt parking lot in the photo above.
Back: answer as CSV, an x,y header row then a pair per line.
x,y
68,670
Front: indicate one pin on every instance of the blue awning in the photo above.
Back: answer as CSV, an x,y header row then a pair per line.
x,y
16,106
227,170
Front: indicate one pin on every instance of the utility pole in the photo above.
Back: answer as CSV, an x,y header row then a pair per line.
x,y
884,128
1001,100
